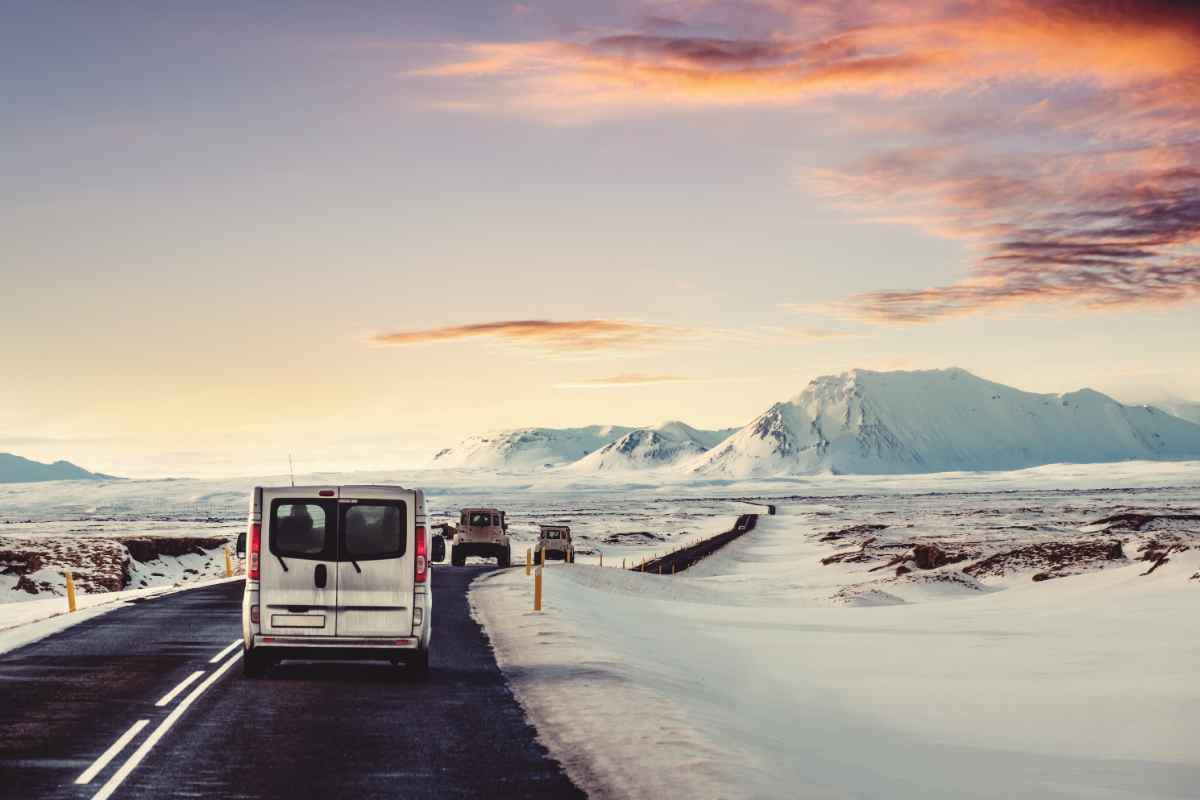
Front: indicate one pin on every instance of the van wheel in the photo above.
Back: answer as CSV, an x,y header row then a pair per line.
x,y
505,558
255,665
456,557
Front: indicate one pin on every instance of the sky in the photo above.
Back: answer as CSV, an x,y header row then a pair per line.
x,y
357,232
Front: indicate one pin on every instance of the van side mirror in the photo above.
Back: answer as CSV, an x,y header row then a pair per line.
x,y
439,549
241,545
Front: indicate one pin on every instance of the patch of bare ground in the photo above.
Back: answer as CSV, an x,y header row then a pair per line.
x,y
97,563
854,531
1055,559
1140,521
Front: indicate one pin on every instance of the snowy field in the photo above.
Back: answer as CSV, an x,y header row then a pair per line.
x,y
774,670
935,636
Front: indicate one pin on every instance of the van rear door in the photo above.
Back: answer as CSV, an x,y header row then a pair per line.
x,y
298,563
375,572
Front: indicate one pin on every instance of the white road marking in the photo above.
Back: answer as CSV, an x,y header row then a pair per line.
x,y
111,753
138,755
183,684
224,652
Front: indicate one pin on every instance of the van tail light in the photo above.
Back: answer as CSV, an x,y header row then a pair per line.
x,y
422,556
252,552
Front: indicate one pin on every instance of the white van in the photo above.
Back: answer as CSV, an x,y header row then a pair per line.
x,y
337,572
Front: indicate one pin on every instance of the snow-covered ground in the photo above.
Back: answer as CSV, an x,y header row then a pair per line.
x,y
757,674
822,655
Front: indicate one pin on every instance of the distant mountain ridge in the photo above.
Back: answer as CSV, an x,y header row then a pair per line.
x,y
862,422
651,448
528,448
15,469
939,421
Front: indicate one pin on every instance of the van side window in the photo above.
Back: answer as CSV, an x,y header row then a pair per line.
x,y
298,529
374,530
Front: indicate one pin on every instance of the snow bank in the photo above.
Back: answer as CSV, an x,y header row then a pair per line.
x,y
732,681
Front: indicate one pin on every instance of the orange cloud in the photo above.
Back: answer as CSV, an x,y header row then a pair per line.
x,y
842,47
1110,219
560,337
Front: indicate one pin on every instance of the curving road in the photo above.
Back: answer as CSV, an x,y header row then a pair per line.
x,y
327,730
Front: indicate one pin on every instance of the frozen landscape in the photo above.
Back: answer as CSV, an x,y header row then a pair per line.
x,y
1037,642
862,422
985,634
937,609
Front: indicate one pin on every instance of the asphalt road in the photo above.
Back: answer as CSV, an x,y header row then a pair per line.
x,y
309,729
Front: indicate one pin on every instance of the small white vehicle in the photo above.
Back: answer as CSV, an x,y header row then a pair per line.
x,y
337,572
481,532
554,541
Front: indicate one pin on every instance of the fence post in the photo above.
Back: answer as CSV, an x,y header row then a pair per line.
x,y
528,561
602,559
537,589
70,591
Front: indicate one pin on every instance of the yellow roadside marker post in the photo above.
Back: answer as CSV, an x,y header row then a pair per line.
x,y
228,564
528,561
602,559
70,592
537,589
672,567
622,563
543,557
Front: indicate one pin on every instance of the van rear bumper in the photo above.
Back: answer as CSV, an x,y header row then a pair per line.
x,y
338,648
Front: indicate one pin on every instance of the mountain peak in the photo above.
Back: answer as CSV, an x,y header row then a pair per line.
x,y
864,421
16,469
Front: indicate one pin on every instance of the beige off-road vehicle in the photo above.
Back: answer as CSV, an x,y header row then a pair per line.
x,y
555,542
481,532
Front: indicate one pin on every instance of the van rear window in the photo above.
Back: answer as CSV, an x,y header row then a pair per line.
x,y
300,530
374,530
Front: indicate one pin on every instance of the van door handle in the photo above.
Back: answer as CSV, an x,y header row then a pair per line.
x,y
320,575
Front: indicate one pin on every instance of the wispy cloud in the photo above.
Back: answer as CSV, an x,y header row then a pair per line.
x,y
626,380
838,46
553,336
1098,229
1057,140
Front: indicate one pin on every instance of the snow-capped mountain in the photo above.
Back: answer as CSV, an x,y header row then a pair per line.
x,y
528,448
940,420
648,448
